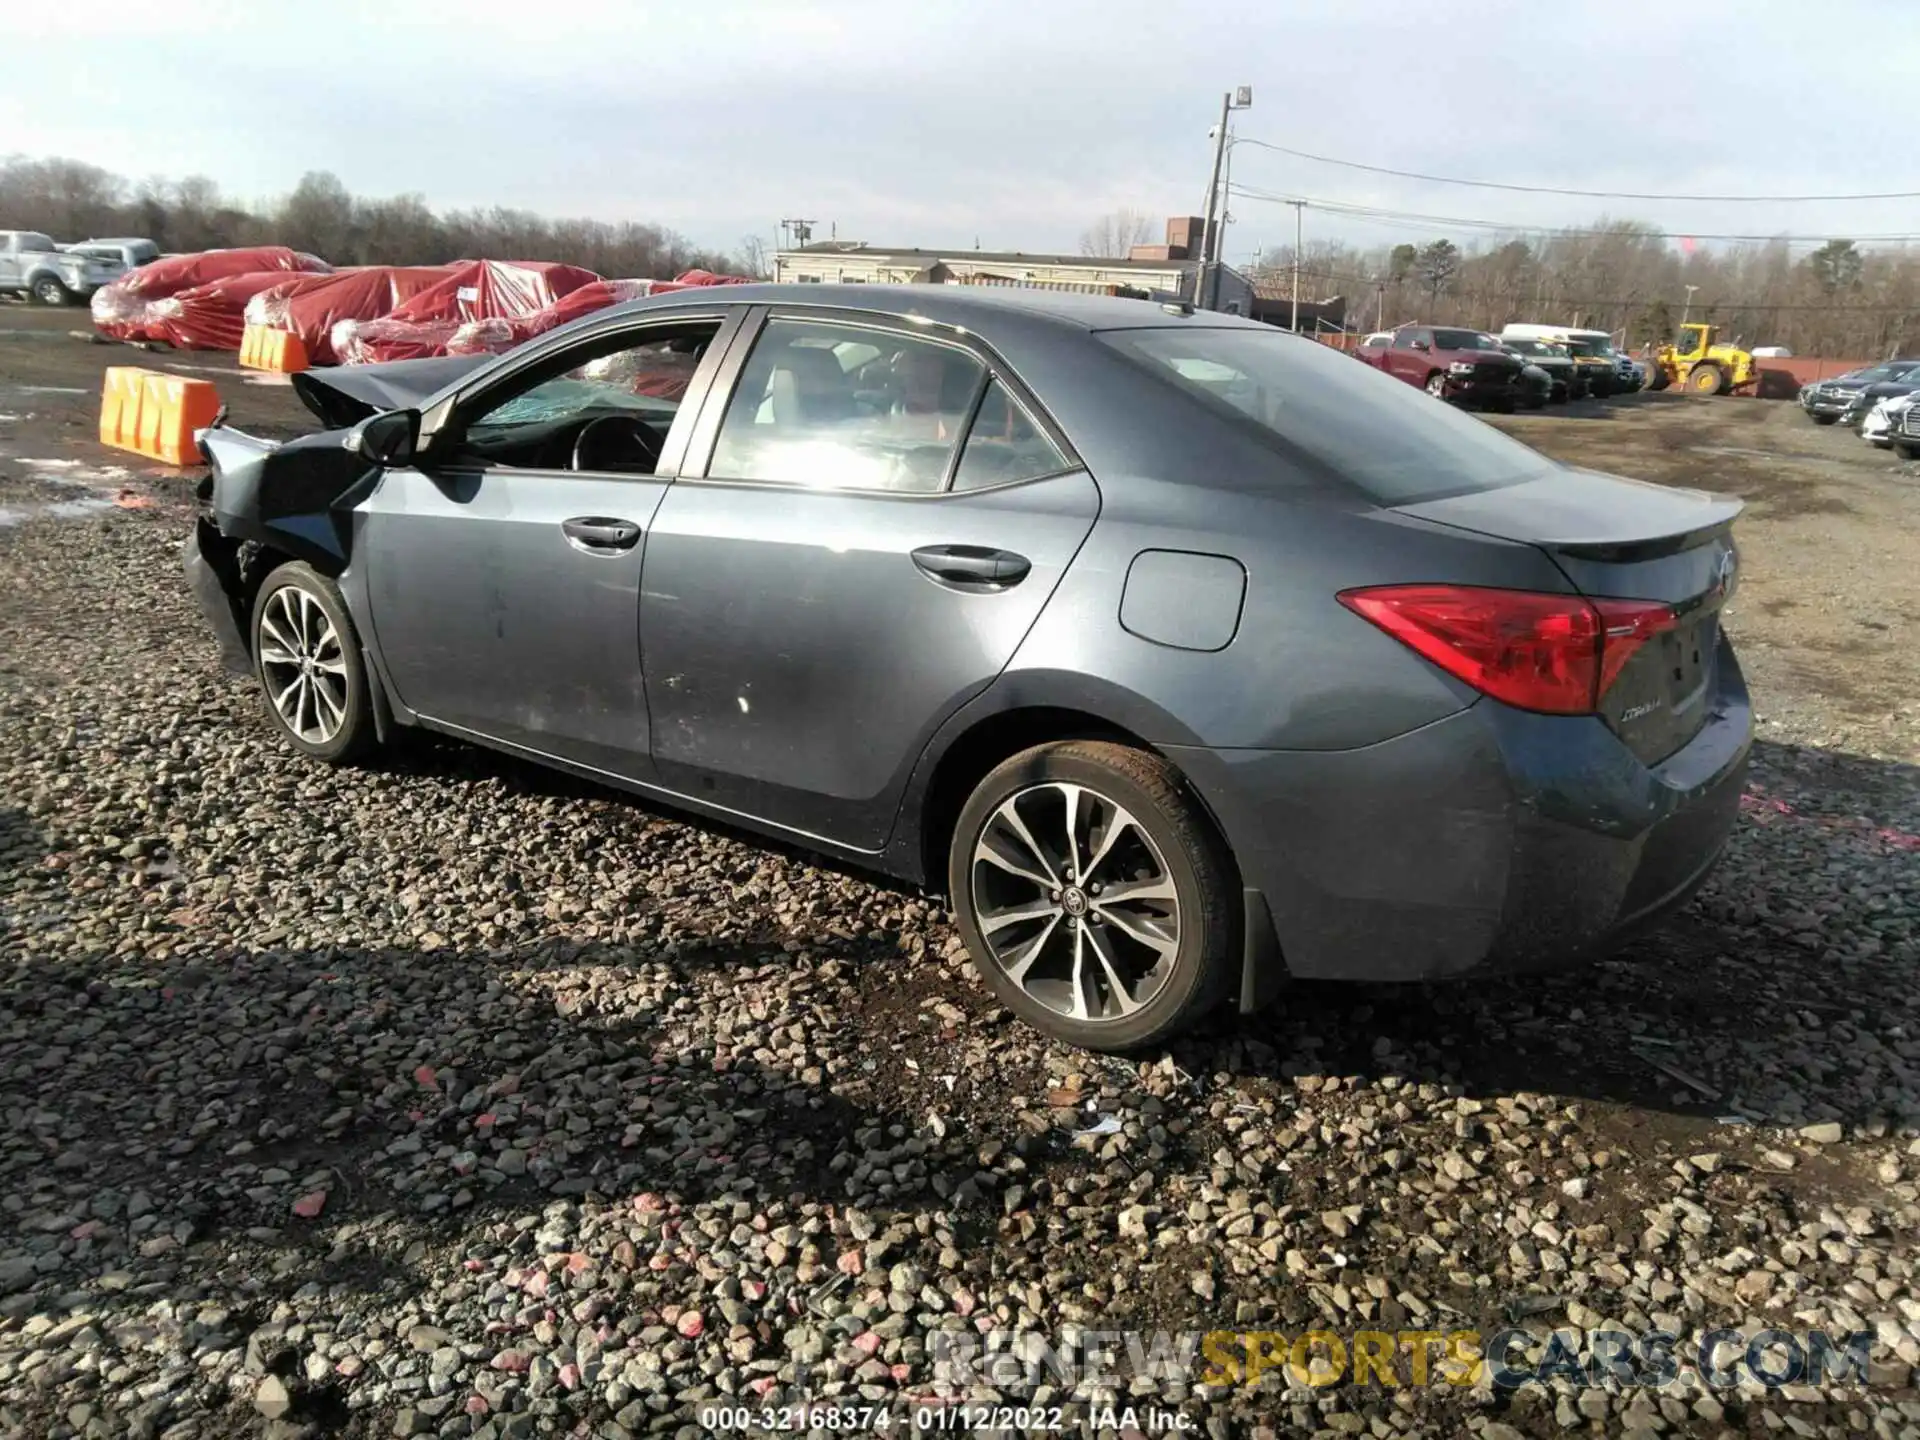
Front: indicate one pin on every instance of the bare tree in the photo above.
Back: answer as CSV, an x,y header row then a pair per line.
x,y
1114,234
754,259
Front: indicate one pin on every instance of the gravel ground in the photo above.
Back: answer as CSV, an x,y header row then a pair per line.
x,y
452,1097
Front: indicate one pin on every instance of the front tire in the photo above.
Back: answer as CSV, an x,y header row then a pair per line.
x,y
1437,385
1093,895
307,659
1707,380
1825,419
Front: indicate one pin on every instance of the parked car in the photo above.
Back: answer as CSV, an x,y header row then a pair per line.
x,y
32,265
1556,361
132,253
1883,421
1592,352
1845,397
1535,387
1179,652
1450,363
1905,435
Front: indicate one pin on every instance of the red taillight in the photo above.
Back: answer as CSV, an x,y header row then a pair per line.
x,y
1554,653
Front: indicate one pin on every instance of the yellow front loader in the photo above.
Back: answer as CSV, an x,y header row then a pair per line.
x,y
1695,363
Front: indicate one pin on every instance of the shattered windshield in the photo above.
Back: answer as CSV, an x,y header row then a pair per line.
x,y
567,398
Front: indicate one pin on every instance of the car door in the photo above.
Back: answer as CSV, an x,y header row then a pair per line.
x,y
503,571
880,517
1408,358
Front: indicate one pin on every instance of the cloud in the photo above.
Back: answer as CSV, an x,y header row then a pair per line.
x,y
936,122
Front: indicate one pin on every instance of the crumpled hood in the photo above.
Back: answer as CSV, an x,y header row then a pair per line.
x,y
348,394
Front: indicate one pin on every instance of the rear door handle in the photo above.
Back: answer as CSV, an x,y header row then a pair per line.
x,y
598,532
972,567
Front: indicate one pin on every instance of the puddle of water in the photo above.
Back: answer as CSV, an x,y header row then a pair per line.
x,y
75,472
58,510
47,390
105,487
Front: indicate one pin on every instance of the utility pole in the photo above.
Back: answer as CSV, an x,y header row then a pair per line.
x,y
1379,305
1299,209
1205,280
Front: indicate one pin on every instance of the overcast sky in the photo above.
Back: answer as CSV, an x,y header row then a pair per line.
x,y
933,122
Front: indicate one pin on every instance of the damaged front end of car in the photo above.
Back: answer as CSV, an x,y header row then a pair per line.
x,y
265,502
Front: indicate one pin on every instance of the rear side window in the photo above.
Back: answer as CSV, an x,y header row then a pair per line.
x,y
1004,445
1384,437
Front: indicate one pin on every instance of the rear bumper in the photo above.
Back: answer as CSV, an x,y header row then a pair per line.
x,y
1488,842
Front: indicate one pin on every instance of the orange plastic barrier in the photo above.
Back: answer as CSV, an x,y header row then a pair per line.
x,y
155,414
120,406
264,348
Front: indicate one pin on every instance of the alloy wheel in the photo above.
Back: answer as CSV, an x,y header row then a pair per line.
x,y
303,665
1075,901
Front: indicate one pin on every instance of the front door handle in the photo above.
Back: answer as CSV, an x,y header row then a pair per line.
x,y
598,532
972,567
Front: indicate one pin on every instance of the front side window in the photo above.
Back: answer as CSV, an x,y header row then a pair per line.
x,y
847,408
1383,437
606,406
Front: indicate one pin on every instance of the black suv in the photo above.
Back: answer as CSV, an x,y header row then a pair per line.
x,y
1849,397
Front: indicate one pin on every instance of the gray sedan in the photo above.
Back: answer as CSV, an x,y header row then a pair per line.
x,y
1181,654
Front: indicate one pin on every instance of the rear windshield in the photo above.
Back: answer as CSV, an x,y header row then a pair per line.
x,y
1461,340
1390,440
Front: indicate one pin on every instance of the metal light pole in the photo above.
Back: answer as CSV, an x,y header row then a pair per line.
x,y
1687,309
1203,291
1299,209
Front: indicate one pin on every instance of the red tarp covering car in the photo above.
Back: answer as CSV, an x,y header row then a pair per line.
x,y
471,290
120,309
311,305
497,336
210,316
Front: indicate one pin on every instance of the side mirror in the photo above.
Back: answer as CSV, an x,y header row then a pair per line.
x,y
387,439
1419,345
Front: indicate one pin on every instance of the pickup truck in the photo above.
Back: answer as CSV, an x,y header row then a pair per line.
x,y
32,265
1449,363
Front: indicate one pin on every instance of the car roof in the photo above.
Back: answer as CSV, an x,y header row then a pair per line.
x,y
959,305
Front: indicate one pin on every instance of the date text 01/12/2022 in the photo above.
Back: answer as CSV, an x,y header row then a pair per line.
x,y
935,1419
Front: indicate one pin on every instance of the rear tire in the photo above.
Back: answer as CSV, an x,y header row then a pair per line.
x,y
49,291
307,659
1095,967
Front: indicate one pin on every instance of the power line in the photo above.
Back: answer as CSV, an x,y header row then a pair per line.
x,y
1584,194
1406,218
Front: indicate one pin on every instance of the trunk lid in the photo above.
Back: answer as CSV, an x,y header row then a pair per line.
x,y
1626,539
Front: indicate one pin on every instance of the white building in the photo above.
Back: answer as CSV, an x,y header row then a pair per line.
x,y
1162,273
